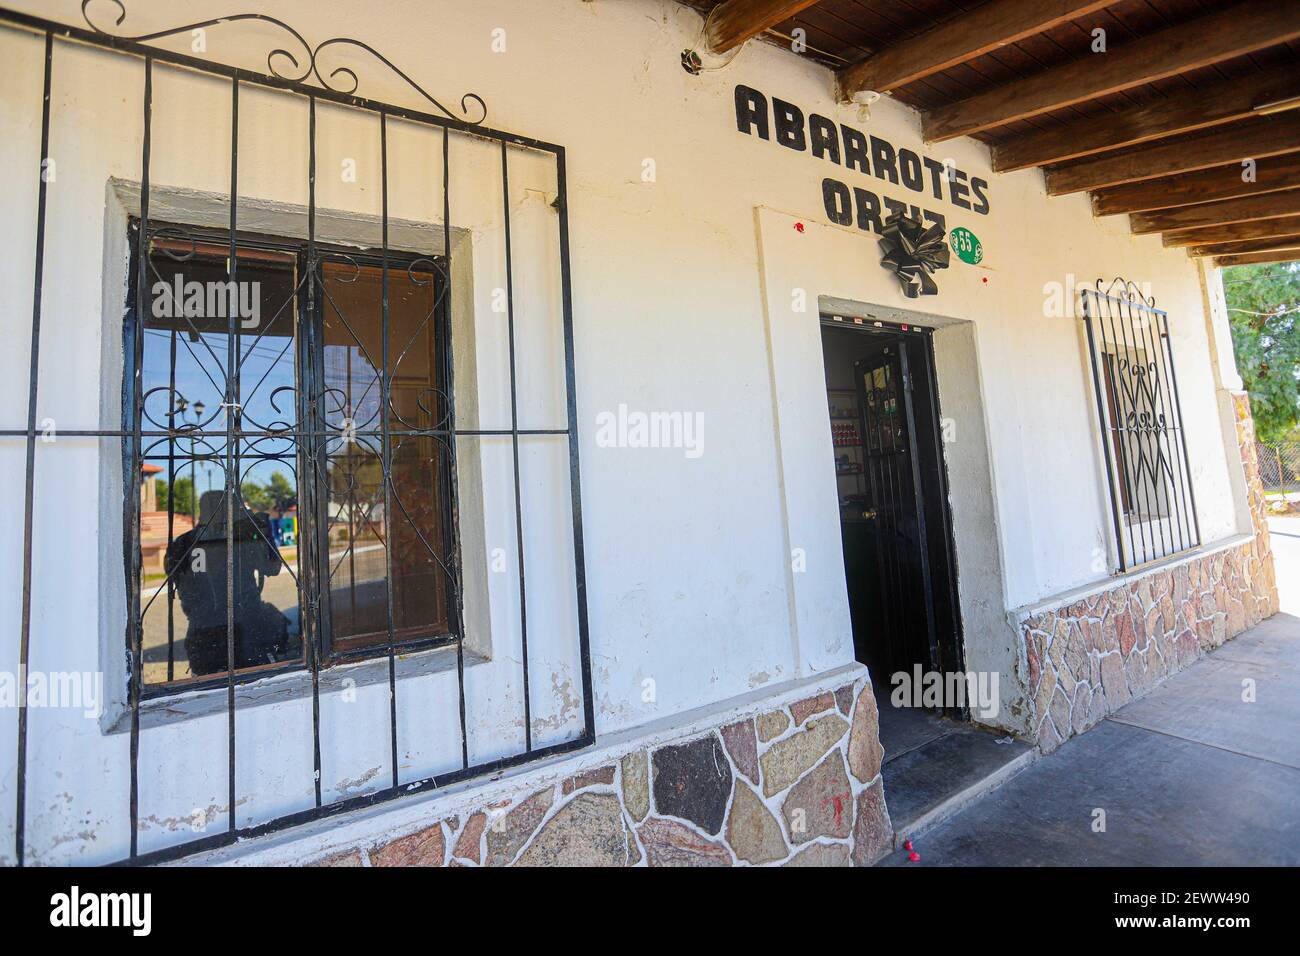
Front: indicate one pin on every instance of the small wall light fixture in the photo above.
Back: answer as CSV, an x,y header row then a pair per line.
x,y
864,100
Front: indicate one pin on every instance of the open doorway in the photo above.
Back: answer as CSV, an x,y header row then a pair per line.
x,y
900,569
900,562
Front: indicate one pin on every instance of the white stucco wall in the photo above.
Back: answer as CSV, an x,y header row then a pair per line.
x,y
682,302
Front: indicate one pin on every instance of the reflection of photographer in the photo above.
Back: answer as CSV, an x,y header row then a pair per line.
x,y
199,560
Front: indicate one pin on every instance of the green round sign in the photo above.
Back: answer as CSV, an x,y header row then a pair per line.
x,y
967,246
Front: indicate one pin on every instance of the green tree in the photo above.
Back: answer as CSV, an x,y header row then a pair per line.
x,y
255,497
184,497
276,495
1264,315
282,493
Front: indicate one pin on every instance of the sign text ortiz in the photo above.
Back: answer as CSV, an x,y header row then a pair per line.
x,y
870,155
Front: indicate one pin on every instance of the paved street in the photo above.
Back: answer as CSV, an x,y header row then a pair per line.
x,y
1188,775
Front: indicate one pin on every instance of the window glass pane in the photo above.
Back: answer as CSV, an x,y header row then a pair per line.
x,y
359,530
1136,409
184,540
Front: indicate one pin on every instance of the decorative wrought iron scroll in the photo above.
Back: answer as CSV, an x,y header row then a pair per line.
x,y
1153,507
310,54
296,426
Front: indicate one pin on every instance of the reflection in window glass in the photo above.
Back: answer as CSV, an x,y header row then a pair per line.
x,y
193,556
353,349
373,524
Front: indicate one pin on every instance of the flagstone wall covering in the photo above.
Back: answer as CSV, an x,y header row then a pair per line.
x,y
1086,658
798,785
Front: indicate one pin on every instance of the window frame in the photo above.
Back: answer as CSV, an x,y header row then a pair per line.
x,y
314,619
1113,317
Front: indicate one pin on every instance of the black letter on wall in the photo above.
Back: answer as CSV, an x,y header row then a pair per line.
x,y
868,204
751,111
788,120
936,176
836,197
882,160
855,150
909,168
957,189
824,137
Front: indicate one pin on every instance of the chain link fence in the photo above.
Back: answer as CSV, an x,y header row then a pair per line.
x,y
1279,466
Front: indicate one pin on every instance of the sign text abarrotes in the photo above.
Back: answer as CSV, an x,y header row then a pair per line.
x,y
784,123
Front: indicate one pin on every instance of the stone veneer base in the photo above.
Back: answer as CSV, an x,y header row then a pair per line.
x,y
1088,654
791,778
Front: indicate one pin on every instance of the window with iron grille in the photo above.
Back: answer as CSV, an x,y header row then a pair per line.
x,y
311,439
344,469
1153,507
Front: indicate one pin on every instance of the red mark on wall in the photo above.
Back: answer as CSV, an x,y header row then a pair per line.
x,y
837,801
798,227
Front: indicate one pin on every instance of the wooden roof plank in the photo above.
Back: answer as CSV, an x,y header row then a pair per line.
x,y
1265,206
1248,245
1257,258
1254,138
957,40
733,22
1178,114
1205,40
1233,231
1230,181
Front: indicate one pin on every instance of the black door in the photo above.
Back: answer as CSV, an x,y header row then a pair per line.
x,y
896,526
895,521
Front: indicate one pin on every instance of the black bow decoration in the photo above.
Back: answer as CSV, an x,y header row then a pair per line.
x,y
913,252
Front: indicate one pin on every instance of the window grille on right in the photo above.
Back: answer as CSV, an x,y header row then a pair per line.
x,y
1148,474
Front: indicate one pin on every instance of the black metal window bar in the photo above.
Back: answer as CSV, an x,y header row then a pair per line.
x,y
161,428
1153,507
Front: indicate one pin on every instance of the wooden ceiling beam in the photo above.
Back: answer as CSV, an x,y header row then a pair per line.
x,y
1207,185
1233,231
1250,245
1251,139
1234,31
964,37
1203,41
1181,113
1265,206
1256,258
731,23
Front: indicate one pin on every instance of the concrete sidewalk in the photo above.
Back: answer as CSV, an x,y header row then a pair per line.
x,y
1189,775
